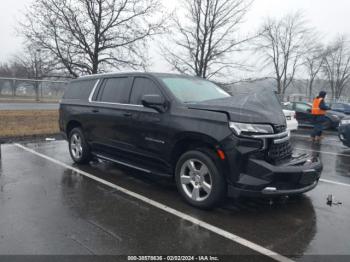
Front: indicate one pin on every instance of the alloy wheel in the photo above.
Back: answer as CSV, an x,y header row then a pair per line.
x,y
196,180
76,146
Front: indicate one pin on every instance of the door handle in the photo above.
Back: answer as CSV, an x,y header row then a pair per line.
x,y
127,114
95,110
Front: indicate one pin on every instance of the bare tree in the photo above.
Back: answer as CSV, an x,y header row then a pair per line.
x,y
31,63
282,44
12,69
38,63
314,60
337,66
5,70
205,36
36,66
88,36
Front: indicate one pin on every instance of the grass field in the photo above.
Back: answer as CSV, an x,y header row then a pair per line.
x,y
21,123
27,100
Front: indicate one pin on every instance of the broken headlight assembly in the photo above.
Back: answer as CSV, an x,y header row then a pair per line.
x,y
247,129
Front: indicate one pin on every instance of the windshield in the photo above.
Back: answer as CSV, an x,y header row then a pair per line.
x,y
190,90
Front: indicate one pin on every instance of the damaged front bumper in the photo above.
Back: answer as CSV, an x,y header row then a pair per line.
x,y
265,165
261,178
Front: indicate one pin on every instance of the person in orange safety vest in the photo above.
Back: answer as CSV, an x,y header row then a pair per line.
x,y
319,109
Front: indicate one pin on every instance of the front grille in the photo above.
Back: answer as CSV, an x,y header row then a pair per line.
x,y
279,152
280,128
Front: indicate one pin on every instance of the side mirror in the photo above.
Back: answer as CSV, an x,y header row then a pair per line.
x,y
154,101
308,110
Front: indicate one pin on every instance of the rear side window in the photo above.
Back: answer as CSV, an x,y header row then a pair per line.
x,y
79,89
115,90
143,86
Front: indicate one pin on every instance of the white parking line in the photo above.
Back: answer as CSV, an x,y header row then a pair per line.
x,y
334,182
214,229
323,152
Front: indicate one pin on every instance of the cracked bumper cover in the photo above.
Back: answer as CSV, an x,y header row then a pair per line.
x,y
261,178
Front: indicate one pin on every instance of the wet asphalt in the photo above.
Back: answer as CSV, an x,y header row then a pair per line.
x,y
48,209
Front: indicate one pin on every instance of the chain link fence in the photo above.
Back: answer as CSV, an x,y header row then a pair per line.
x,y
17,89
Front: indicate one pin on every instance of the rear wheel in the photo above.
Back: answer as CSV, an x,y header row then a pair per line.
x,y
199,180
78,148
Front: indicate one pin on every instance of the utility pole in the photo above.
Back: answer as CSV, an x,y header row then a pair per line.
x,y
37,65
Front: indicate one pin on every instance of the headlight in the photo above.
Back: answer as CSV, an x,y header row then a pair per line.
x,y
345,122
247,129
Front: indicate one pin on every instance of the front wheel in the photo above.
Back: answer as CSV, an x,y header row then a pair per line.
x,y
78,148
199,180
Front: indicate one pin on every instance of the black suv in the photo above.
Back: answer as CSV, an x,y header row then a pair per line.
x,y
188,128
344,131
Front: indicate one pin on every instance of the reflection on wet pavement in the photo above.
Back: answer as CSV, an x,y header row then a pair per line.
x,y
57,211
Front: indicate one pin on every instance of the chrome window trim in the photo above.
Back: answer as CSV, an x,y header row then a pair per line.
x,y
120,104
107,103
93,90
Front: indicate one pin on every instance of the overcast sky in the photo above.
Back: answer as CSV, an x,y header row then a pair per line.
x,y
331,18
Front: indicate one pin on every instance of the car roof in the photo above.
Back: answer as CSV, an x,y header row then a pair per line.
x,y
114,74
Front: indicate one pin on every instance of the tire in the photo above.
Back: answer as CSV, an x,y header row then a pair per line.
x,y
78,148
199,178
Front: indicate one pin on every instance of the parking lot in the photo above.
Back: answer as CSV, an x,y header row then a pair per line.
x,y
49,206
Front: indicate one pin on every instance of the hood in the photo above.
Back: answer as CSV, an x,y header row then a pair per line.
x,y
260,107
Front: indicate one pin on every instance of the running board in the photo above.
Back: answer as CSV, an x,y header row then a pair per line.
x,y
123,163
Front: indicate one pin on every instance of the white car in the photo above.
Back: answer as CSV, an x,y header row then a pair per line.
x,y
292,123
